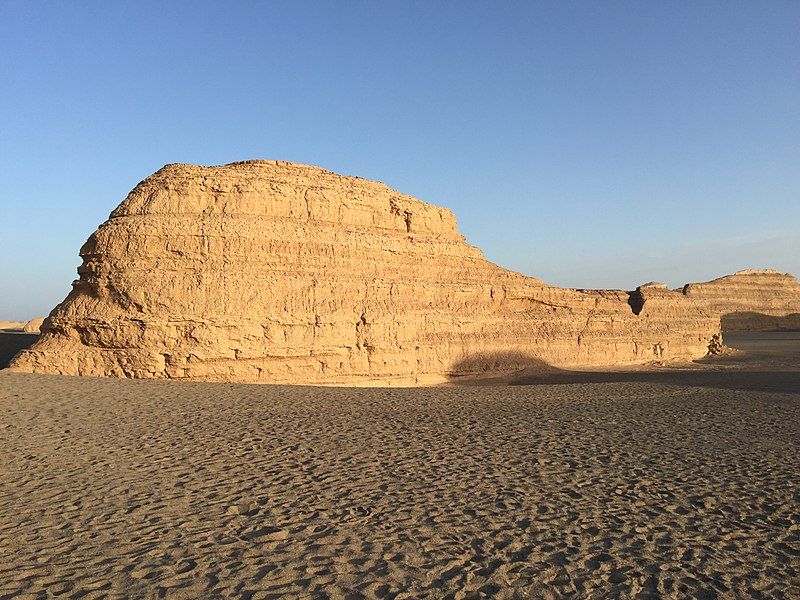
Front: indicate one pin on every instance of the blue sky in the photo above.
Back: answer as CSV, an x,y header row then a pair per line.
x,y
592,144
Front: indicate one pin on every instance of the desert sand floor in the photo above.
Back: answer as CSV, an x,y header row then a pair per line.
x,y
646,488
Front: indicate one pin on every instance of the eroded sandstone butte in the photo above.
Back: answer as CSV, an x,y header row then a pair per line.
x,y
266,271
754,300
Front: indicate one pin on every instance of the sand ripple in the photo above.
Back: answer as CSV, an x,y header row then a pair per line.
x,y
153,489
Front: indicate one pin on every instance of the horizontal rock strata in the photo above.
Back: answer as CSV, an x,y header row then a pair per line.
x,y
269,271
752,300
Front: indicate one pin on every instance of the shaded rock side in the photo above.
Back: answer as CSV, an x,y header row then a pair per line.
x,y
751,300
269,271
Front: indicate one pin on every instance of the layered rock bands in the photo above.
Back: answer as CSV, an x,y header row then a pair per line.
x,y
267,271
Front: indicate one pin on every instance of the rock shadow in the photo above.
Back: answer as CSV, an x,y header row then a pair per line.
x,y
741,379
495,367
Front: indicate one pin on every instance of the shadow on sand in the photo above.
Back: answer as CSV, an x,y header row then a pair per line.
x,y
728,379
12,342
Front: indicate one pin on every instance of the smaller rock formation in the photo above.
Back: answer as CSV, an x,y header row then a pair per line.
x,y
751,300
716,345
33,326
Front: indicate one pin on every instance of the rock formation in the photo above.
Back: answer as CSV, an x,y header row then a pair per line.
x,y
754,300
12,325
33,326
266,271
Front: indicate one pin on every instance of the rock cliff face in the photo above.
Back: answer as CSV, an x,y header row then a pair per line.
x,y
754,300
268,271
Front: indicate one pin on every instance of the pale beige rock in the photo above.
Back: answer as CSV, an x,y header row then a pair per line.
x,y
269,271
12,325
33,326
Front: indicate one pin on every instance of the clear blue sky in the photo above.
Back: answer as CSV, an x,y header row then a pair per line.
x,y
593,144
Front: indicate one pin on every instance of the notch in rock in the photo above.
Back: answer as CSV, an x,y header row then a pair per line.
x,y
636,301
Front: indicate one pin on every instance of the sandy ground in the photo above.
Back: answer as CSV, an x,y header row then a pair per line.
x,y
677,483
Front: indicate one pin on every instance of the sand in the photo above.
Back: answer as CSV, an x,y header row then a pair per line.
x,y
678,483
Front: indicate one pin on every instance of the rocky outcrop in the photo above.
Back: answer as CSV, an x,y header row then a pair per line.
x,y
12,325
751,300
33,326
268,271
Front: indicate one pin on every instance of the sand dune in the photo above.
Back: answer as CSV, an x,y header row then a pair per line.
x,y
646,489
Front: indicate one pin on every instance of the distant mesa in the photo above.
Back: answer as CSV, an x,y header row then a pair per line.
x,y
656,285
269,271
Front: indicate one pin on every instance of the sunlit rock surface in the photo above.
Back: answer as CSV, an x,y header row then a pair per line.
x,y
266,271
